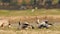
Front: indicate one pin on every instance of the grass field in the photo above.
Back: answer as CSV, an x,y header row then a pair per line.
x,y
53,30
29,12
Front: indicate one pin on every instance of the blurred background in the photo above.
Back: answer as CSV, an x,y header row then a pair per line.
x,y
29,4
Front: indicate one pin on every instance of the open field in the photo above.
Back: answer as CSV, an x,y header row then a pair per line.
x,y
30,32
54,30
13,30
23,15
37,12
53,15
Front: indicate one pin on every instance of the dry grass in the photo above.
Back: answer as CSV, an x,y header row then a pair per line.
x,y
44,31
26,15
51,18
53,30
